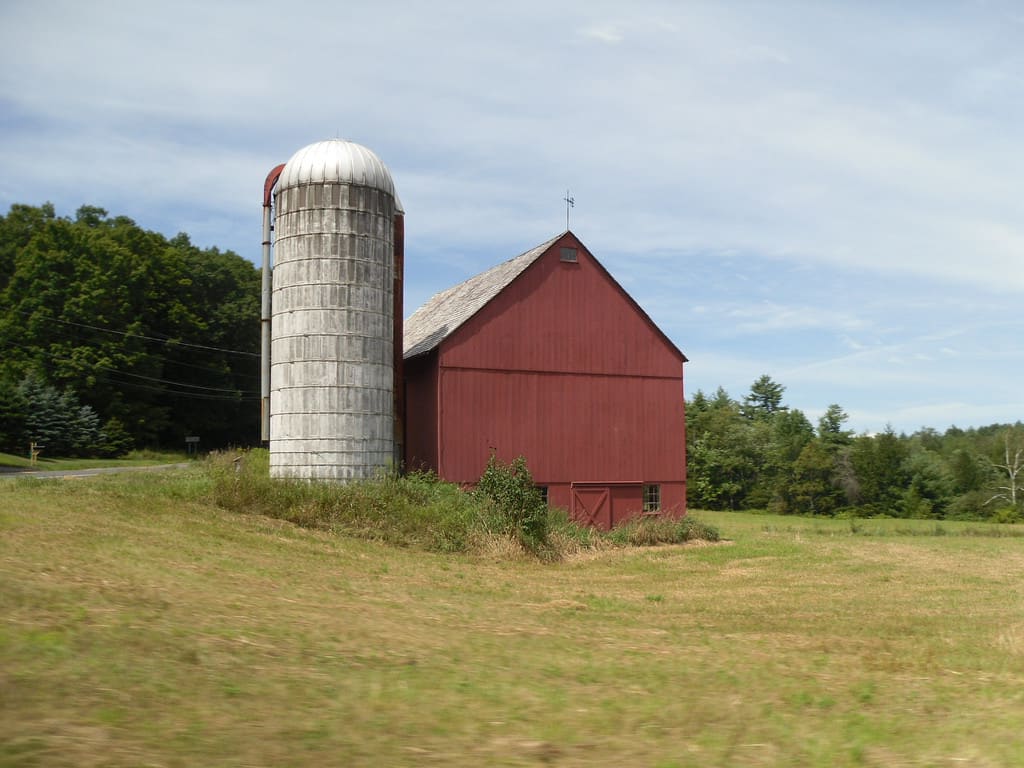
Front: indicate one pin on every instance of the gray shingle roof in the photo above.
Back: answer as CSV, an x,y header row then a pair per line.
x,y
446,311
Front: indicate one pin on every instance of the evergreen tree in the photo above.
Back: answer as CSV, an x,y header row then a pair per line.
x,y
930,485
878,462
830,428
764,399
812,489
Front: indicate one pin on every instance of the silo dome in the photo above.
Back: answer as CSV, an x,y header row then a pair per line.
x,y
332,327
336,161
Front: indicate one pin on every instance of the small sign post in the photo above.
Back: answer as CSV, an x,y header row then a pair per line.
x,y
192,445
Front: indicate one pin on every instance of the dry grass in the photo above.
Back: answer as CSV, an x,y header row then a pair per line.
x,y
139,626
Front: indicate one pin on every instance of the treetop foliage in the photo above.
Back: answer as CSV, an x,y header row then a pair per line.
x,y
764,399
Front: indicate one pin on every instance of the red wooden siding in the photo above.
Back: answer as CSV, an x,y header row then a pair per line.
x,y
566,317
570,427
421,413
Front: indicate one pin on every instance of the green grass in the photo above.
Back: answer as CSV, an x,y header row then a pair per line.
x,y
752,523
143,625
142,458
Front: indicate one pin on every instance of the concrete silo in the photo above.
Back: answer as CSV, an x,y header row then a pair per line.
x,y
332,322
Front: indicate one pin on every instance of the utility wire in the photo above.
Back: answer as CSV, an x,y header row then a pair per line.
x,y
163,360
139,375
77,339
170,381
164,340
166,361
189,395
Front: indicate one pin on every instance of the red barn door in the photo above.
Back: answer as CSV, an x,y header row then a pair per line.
x,y
591,505
606,505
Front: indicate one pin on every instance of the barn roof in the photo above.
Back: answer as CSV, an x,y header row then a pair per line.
x,y
446,311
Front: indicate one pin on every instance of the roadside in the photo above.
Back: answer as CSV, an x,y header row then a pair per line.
x,y
49,474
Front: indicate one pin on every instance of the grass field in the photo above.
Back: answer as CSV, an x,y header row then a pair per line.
x,y
141,626
133,459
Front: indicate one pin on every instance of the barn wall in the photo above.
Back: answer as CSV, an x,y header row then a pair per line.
x,y
563,317
627,500
421,432
570,427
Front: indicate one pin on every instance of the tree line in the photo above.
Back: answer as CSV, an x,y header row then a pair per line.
x,y
113,336
760,454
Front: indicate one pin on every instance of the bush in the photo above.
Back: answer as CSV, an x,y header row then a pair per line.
x,y
650,531
973,505
510,488
577,537
414,511
114,439
1005,514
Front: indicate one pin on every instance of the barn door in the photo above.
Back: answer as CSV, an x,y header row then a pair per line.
x,y
591,505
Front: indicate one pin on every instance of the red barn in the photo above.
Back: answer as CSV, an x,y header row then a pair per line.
x,y
546,356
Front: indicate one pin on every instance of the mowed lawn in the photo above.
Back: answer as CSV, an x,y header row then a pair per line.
x,y
140,626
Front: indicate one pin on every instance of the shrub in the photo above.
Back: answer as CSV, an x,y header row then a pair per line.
x,y
973,505
1005,514
413,511
114,439
510,488
650,531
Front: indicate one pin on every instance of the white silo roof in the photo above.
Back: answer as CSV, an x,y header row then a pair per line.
x,y
336,161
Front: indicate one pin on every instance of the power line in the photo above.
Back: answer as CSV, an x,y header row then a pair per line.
x,y
189,395
76,338
165,361
141,376
164,340
170,381
179,363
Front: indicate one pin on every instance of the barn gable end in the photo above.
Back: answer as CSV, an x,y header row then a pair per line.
x,y
546,356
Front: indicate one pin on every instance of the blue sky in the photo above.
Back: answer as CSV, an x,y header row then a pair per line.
x,y
829,193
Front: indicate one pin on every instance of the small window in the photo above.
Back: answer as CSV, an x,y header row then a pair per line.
x,y
569,254
652,498
543,491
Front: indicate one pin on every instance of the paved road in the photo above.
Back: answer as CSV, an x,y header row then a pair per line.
x,y
50,474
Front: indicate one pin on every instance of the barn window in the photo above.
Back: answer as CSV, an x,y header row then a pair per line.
x,y
543,491
569,254
652,498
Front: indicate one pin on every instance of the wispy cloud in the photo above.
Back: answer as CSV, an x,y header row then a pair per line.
x,y
771,317
604,33
832,194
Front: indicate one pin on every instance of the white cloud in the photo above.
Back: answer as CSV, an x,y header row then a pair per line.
x,y
770,317
803,190
605,33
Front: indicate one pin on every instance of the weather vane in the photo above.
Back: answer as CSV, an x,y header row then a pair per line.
x,y
569,203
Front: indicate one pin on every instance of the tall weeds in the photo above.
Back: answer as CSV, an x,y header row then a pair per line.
x,y
421,511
